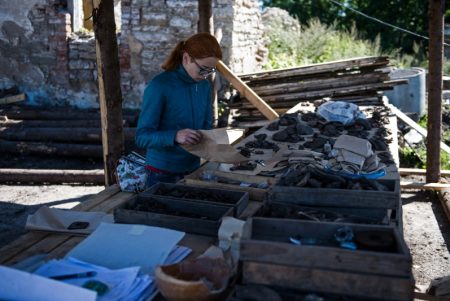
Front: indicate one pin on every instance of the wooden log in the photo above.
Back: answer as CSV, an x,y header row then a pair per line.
x,y
40,113
59,134
51,176
51,149
248,93
12,99
89,123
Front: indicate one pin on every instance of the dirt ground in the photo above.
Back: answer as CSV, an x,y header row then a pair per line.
x,y
426,228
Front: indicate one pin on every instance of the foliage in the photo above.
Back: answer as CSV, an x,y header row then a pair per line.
x,y
407,14
314,43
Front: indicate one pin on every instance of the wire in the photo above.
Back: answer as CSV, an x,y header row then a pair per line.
x,y
382,22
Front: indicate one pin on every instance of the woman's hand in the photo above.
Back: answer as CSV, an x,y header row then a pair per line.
x,y
188,137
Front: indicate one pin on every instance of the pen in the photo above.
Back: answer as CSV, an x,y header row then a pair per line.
x,y
73,276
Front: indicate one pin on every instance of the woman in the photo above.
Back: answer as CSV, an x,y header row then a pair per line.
x,y
176,104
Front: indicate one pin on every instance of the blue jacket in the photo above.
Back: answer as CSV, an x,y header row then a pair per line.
x,y
172,101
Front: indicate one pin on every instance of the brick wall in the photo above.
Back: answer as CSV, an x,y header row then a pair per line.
x,y
60,66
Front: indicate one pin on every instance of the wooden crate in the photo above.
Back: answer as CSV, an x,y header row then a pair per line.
x,y
238,200
378,216
268,258
208,222
339,197
255,194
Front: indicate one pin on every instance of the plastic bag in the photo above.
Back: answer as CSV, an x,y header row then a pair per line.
x,y
341,111
131,173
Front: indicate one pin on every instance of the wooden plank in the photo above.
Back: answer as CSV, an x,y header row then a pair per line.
x,y
331,92
365,286
424,296
65,247
318,84
423,186
319,68
318,257
113,202
417,171
43,246
99,198
12,99
415,126
19,245
247,92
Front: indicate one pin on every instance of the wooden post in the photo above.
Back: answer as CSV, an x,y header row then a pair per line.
x,y
247,92
206,24
110,95
205,16
436,34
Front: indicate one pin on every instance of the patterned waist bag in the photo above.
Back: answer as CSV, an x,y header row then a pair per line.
x,y
130,172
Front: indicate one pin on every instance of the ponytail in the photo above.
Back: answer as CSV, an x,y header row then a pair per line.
x,y
175,58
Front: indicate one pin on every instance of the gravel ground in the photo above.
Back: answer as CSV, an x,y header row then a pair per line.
x,y
425,226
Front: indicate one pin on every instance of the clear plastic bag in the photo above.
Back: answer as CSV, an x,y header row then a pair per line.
x,y
341,111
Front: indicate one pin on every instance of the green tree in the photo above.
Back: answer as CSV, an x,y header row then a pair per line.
x,y
408,14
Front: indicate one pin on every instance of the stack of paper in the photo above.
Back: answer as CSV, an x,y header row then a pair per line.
x,y
117,246
123,284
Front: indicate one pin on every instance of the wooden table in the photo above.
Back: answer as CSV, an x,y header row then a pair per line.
x,y
57,245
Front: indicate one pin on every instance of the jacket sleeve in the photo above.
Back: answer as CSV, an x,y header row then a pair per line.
x,y
148,134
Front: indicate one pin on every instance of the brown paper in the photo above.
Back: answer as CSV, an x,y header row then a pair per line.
x,y
57,220
215,147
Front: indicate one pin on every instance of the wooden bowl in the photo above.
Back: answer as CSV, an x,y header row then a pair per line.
x,y
200,279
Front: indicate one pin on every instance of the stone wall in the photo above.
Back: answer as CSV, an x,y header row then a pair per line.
x,y
52,65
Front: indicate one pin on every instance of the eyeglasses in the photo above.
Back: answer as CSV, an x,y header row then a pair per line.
x,y
203,71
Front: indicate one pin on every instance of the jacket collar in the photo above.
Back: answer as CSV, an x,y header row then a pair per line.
x,y
182,73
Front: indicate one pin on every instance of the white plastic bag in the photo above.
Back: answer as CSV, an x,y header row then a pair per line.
x,y
130,172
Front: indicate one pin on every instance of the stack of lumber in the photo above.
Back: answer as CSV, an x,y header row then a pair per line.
x,y
358,80
60,138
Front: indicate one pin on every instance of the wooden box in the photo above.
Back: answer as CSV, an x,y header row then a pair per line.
x,y
339,197
376,216
268,258
224,180
238,200
182,215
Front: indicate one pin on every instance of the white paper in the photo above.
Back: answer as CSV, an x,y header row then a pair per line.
x,y
116,246
122,283
22,286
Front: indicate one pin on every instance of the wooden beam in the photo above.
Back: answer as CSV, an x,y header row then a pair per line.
x,y
435,61
52,176
72,150
417,171
423,186
415,126
110,95
12,99
247,92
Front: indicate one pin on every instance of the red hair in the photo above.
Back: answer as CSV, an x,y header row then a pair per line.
x,y
198,46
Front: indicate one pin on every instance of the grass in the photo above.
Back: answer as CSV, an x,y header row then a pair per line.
x,y
291,44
